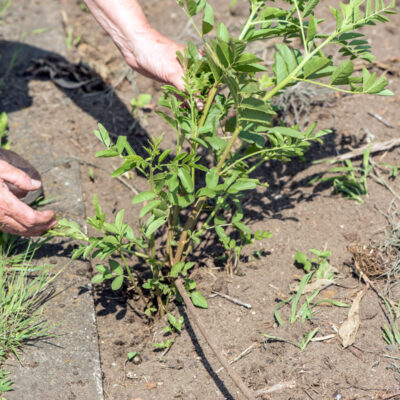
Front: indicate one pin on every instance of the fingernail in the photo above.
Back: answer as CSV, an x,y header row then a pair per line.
x,y
34,182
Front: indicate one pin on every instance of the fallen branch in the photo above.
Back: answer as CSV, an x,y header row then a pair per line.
x,y
248,393
373,147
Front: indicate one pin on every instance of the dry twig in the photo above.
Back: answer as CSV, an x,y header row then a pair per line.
x,y
240,356
231,299
373,147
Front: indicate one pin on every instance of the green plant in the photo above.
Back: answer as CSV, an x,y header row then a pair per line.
x,y
209,173
391,331
319,275
302,344
4,143
71,40
84,7
4,4
351,181
22,291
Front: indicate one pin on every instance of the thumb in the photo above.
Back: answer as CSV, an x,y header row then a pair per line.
x,y
17,177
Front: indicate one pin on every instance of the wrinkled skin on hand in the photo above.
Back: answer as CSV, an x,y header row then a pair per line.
x,y
15,216
155,56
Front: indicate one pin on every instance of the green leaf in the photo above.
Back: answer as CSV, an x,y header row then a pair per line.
x,y
212,178
205,191
186,180
208,19
309,7
149,207
117,282
252,137
284,131
302,259
144,196
288,56
280,68
176,269
107,153
242,227
131,355
3,123
315,64
198,299
217,143
312,29
154,226
103,135
222,32
191,7
243,184
342,73
99,278
143,100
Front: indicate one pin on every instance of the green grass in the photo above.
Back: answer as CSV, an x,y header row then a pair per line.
x,y
23,290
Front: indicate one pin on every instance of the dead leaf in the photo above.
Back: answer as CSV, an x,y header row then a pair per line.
x,y
349,328
150,385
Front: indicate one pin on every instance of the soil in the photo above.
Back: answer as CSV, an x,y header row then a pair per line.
x,y
300,216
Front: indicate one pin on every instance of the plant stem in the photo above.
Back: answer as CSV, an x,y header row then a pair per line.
x,y
128,270
228,147
292,75
303,36
249,22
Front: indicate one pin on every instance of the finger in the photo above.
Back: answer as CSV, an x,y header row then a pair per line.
x,y
10,225
17,177
32,220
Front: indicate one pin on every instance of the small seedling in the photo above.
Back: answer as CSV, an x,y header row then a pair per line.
x,y
320,274
84,7
163,345
391,331
4,143
302,344
72,41
91,174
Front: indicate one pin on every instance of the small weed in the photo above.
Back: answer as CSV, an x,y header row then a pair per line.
x,y
391,331
84,7
139,106
349,180
319,275
4,143
72,41
302,344
130,356
91,174
22,291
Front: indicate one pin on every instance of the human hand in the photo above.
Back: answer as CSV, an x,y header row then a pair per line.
x,y
15,216
153,55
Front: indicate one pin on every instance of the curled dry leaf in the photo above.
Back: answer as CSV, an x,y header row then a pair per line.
x,y
349,328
